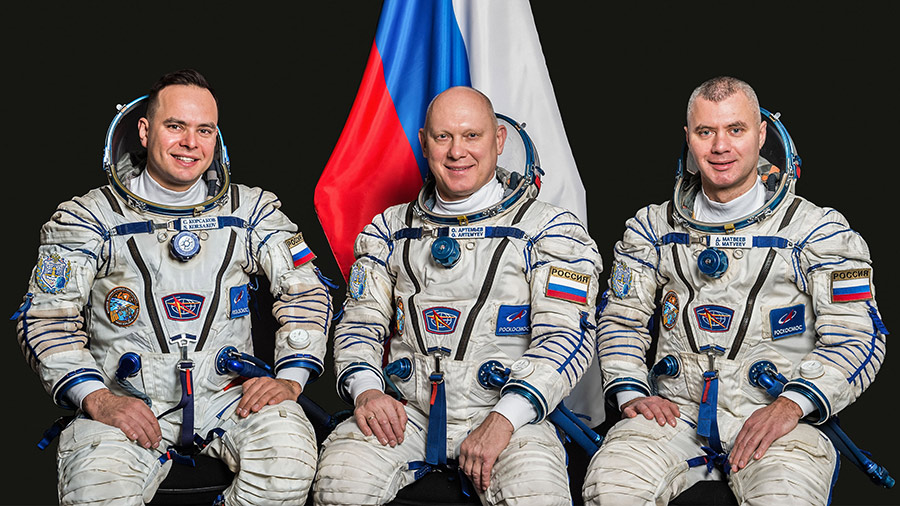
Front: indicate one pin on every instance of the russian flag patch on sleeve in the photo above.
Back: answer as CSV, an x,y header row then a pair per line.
x,y
300,252
568,285
851,285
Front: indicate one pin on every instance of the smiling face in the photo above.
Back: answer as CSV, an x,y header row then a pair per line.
x,y
180,136
461,141
724,138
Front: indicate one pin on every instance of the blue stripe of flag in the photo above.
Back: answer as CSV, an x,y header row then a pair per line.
x,y
852,289
423,54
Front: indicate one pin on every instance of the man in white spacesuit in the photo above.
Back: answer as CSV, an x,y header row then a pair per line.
x,y
475,270
746,275
137,315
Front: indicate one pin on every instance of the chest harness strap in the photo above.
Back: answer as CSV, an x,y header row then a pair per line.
x,y
436,446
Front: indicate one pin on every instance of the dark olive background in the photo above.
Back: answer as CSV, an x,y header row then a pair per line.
x,y
287,77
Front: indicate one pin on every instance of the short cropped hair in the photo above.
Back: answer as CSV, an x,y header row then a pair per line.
x,y
721,88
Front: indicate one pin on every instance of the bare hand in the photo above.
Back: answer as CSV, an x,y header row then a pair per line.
x,y
262,391
480,449
129,414
378,413
762,428
662,410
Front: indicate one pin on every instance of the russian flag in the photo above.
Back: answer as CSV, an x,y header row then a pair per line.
x,y
567,289
422,48
851,290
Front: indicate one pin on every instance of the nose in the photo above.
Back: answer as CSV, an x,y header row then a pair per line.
x,y
457,150
721,144
189,138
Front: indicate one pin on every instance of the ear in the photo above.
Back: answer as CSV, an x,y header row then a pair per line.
x,y
422,142
143,128
762,134
501,138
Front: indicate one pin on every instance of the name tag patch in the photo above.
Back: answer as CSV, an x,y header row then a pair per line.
x,y
731,241
851,285
788,321
513,320
467,232
568,285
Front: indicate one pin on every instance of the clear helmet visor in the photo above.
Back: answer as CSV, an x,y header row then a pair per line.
x,y
124,157
778,168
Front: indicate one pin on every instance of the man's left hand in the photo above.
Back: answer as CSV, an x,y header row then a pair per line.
x,y
761,429
261,391
481,448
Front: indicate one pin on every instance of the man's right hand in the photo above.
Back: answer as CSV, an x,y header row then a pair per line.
x,y
378,413
662,410
129,414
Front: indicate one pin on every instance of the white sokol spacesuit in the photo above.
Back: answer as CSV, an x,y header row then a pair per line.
x,y
514,284
152,301
788,286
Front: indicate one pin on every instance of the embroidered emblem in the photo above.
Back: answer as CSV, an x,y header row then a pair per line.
x,y
568,285
300,252
240,301
513,320
52,273
357,283
620,281
440,320
851,285
122,306
400,316
788,321
670,310
714,318
183,306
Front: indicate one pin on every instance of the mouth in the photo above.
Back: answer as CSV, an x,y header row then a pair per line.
x,y
185,159
721,165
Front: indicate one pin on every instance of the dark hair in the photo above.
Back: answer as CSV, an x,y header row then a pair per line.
x,y
188,77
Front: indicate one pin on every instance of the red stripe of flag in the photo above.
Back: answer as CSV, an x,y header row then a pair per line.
x,y
372,148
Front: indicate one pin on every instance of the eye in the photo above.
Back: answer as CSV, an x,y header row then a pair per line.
x,y
207,132
175,127
704,133
737,130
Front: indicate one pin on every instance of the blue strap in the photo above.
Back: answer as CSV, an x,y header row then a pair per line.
x,y
139,227
436,447
710,460
770,241
186,404
148,227
491,232
675,237
759,241
707,425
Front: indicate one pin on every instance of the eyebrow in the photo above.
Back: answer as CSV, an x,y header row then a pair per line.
x,y
182,122
730,125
